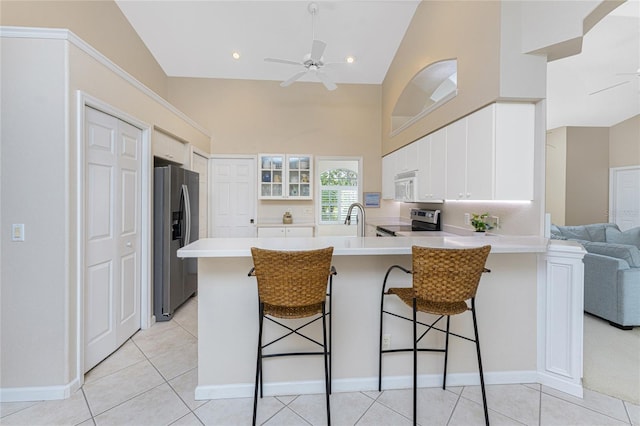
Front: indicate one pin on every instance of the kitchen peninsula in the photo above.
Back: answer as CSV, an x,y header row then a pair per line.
x,y
527,310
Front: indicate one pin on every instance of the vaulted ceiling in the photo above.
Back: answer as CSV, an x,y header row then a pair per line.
x,y
599,87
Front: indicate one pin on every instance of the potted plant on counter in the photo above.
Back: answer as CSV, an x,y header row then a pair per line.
x,y
479,222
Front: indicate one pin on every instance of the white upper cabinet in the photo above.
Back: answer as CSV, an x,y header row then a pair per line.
x,y
490,154
388,175
515,141
437,175
285,177
169,148
456,160
480,155
407,158
431,167
403,160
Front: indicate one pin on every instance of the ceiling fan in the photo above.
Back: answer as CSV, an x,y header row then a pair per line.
x,y
637,74
312,61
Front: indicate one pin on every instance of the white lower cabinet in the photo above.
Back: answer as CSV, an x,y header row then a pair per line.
x,y
285,231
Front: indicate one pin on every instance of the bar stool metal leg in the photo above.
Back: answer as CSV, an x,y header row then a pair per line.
x,y
446,354
415,362
258,366
326,364
330,330
475,330
380,347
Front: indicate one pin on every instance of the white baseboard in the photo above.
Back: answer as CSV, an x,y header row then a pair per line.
x,y
368,384
38,393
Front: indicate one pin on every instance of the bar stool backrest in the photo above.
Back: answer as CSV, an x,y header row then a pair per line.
x,y
447,275
292,278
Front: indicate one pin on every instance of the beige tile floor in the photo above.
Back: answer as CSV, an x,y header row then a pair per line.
x,y
150,380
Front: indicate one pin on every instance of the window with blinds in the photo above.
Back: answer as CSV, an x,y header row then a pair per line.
x,y
338,190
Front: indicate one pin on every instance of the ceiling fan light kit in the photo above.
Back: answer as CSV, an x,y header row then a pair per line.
x,y
312,61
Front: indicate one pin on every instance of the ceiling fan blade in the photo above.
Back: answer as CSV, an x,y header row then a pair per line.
x,y
317,49
283,61
330,85
610,87
292,79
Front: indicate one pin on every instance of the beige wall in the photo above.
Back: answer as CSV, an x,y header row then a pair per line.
x,y
556,175
99,23
578,175
577,169
624,143
38,315
587,175
251,117
492,67
484,37
444,30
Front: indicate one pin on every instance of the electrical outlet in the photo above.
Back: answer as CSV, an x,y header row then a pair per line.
x,y
494,221
467,219
17,232
386,341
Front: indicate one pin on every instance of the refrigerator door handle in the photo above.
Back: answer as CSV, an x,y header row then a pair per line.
x,y
187,213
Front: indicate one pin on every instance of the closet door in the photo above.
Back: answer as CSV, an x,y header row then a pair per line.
x,y
112,234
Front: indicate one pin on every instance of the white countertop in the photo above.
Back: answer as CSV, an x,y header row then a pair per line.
x,y
360,246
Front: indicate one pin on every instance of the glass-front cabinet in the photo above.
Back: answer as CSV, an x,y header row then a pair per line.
x,y
285,176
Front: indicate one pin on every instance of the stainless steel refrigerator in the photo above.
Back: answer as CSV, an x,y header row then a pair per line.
x,y
175,224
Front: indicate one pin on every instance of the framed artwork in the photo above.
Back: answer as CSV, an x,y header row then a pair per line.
x,y
372,199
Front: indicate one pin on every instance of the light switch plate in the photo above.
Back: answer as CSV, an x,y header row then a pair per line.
x,y
17,232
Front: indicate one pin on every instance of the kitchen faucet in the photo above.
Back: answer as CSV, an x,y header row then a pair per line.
x,y
347,221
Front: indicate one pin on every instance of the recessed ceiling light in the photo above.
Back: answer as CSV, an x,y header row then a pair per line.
x,y
350,59
235,55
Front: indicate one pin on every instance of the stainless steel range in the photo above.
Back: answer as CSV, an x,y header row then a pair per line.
x,y
421,220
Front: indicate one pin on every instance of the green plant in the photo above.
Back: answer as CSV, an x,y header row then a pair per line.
x,y
478,221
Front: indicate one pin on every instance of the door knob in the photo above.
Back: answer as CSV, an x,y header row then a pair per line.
x,y
129,244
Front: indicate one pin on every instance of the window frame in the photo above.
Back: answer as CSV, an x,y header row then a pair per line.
x,y
319,169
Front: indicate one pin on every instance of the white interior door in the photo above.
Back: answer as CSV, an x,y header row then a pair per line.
x,y
233,197
624,197
112,273
200,165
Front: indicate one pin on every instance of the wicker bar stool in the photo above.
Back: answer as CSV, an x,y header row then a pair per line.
x,y
292,285
443,281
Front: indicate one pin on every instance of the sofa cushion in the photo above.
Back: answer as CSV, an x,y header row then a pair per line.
x,y
630,236
591,232
579,232
628,253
